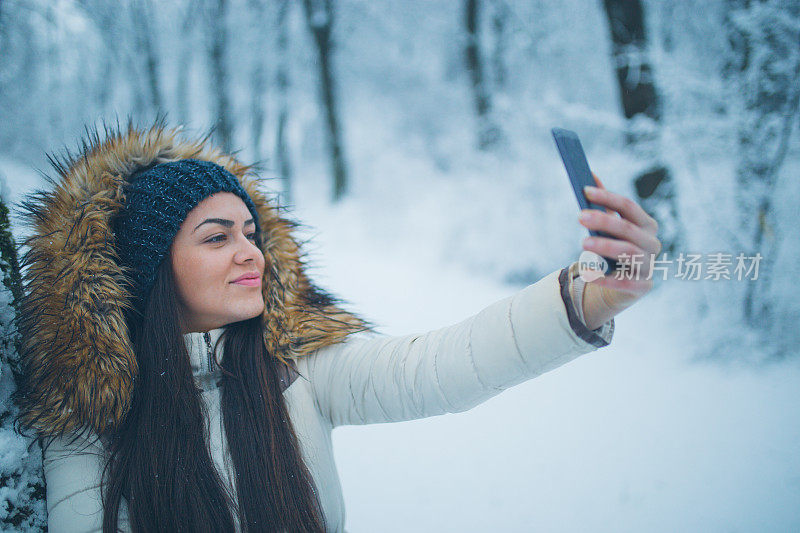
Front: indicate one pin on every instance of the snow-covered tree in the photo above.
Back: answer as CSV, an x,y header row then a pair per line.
x,y
22,505
763,74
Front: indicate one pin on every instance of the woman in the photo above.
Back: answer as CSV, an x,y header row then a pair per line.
x,y
174,349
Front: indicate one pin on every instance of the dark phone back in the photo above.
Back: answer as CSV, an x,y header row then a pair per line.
x,y
571,150
569,146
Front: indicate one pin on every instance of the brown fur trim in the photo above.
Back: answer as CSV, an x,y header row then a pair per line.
x,y
78,366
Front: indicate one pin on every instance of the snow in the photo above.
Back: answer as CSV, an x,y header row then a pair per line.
x,y
16,181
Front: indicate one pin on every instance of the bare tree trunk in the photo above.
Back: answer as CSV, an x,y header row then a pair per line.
x,y
634,73
186,52
655,188
258,77
110,57
218,35
145,36
488,133
764,68
107,20
282,82
319,16
500,31
258,113
53,68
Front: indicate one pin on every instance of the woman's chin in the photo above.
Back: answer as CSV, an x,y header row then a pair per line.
x,y
251,309
230,313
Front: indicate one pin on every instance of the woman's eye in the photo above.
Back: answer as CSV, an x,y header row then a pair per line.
x,y
221,237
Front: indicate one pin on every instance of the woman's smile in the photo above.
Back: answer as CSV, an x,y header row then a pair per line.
x,y
251,279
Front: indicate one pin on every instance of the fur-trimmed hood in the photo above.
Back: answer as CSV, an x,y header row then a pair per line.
x,y
78,365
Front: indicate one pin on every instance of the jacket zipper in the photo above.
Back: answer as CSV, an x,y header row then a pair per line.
x,y
207,337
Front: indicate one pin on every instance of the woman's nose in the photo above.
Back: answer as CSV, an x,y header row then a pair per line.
x,y
246,251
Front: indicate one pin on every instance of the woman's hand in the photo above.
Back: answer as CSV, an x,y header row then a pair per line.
x,y
636,231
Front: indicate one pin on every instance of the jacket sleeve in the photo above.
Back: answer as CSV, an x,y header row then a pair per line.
x,y
72,471
375,378
572,287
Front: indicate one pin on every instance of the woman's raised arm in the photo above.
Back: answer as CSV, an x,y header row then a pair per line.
x,y
389,379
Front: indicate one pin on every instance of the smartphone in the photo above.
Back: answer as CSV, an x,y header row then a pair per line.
x,y
574,158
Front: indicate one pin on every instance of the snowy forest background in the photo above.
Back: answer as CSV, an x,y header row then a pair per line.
x,y
413,139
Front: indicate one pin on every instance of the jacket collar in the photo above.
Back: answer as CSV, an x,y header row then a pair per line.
x,y
204,352
77,363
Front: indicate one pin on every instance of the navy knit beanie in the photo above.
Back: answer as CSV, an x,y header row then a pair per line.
x,y
157,201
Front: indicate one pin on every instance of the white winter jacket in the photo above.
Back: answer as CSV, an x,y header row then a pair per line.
x,y
369,378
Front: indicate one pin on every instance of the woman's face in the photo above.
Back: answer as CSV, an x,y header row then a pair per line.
x,y
216,264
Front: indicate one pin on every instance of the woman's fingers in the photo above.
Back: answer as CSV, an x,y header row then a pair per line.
x,y
633,231
626,207
641,217
636,237
600,185
621,228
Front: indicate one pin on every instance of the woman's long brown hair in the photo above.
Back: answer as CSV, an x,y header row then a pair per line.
x,y
159,458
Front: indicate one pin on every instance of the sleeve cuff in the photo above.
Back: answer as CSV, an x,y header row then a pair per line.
x,y
572,287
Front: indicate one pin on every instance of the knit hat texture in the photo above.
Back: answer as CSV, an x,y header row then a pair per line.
x,y
157,201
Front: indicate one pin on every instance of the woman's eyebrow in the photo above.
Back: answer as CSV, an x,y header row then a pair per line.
x,y
223,222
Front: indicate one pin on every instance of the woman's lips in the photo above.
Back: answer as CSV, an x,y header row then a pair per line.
x,y
249,282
